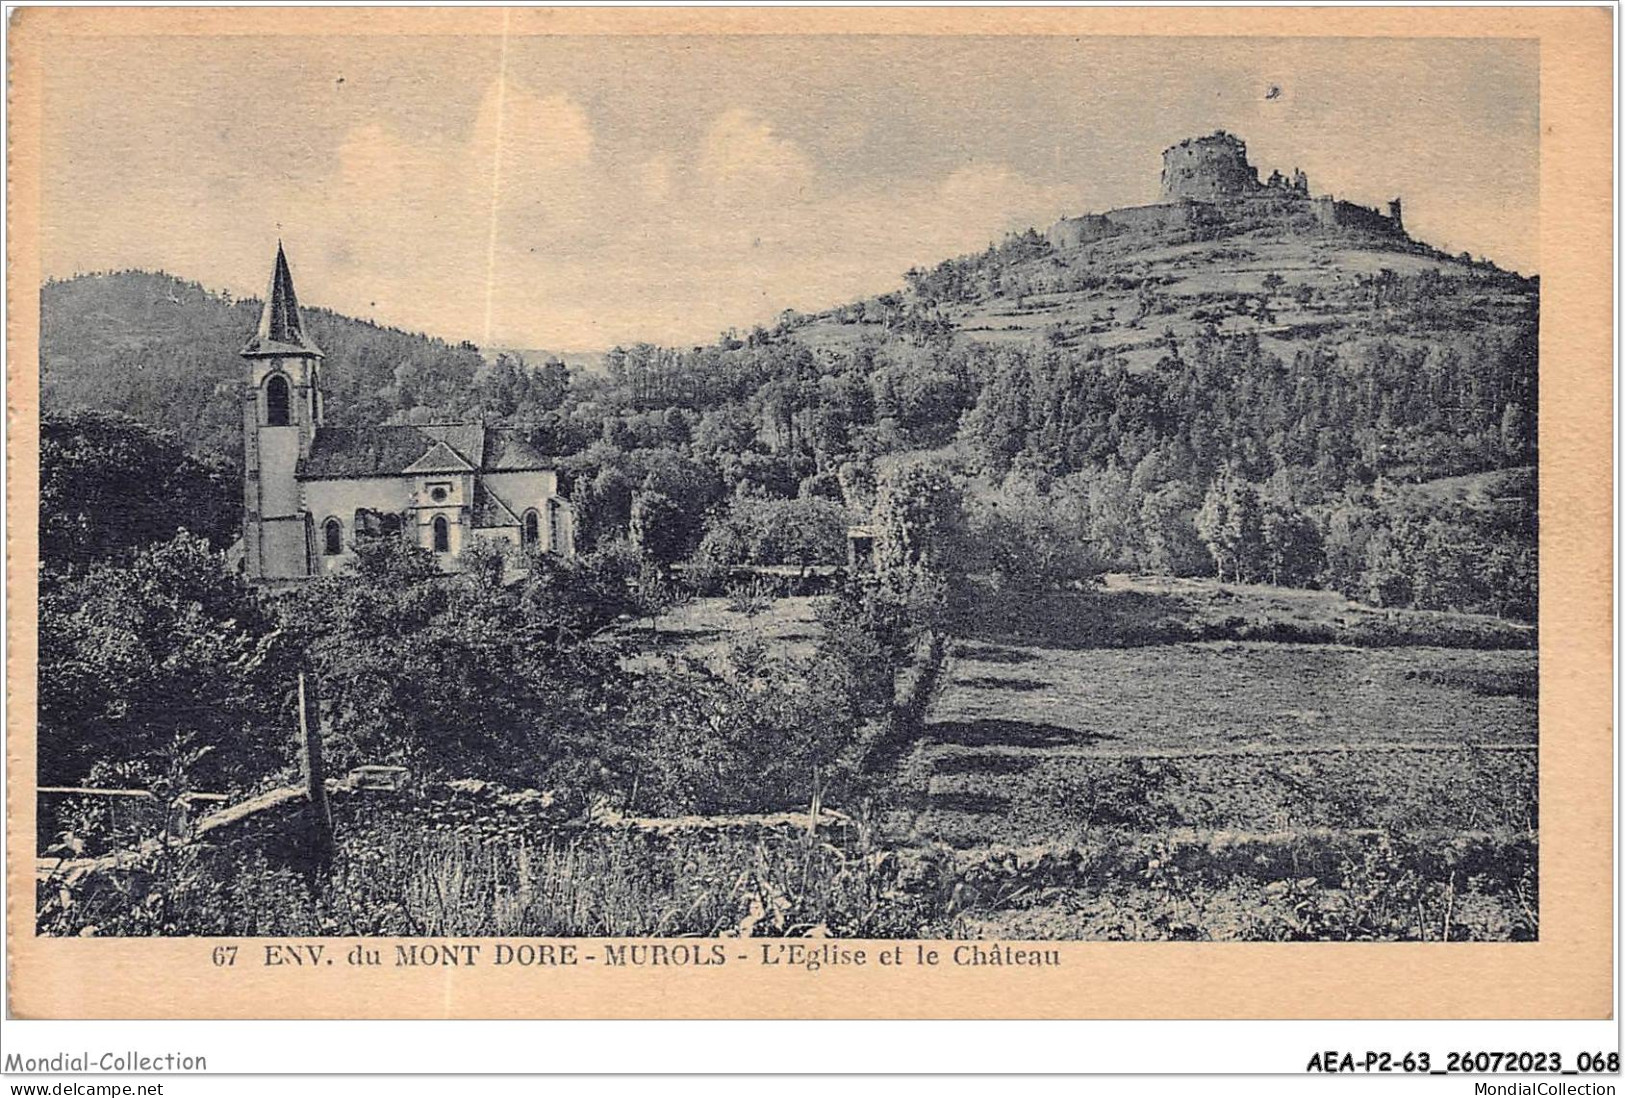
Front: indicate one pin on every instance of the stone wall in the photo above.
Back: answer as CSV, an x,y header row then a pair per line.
x,y
1071,232
1164,216
1334,213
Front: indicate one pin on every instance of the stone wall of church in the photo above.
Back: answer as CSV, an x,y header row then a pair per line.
x,y
341,499
283,549
524,491
278,457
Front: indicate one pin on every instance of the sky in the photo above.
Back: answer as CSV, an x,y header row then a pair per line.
x,y
572,193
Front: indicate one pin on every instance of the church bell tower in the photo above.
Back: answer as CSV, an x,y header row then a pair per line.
x,y
282,408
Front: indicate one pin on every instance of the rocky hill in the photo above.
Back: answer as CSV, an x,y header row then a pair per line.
x,y
1267,259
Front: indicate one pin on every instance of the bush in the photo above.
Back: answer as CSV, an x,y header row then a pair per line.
x,y
468,675
136,657
1027,540
750,598
398,874
806,531
762,733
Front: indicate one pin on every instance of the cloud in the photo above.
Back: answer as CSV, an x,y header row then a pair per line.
x,y
624,188
374,159
537,137
526,230
990,199
742,155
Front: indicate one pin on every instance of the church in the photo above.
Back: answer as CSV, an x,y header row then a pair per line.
x,y
310,490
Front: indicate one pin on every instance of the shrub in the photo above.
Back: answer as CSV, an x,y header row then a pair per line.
x,y
172,644
805,531
761,733
1027,540
750,598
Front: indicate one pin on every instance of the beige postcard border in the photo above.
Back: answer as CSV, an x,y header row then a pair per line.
x,y
1567,974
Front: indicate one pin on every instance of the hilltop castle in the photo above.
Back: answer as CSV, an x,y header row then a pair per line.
x,y
310,490
1208,181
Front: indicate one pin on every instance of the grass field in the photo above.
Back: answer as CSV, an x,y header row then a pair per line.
x,y
702,628
1232,788
1029,744
1235,696
1197,283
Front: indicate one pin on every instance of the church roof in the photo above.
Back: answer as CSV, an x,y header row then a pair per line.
x,y
440,459
467,440
506,450
281,330
338,453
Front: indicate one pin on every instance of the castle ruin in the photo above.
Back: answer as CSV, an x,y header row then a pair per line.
x,y
1208,169
1208,182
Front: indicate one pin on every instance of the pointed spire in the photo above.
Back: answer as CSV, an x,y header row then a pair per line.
x,y
281,331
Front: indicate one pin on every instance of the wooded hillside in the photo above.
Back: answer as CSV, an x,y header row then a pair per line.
x,y
1245,401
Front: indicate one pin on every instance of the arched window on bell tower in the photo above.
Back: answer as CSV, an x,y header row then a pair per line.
x,y
533,528
442,535
276,401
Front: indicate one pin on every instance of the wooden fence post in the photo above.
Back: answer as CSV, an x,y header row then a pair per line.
x,y
314,771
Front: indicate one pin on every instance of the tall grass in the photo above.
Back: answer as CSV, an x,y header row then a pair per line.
x,y
593,883
1123,883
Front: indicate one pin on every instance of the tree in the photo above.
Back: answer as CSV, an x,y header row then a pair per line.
x,y
1516,433
1292,546
110,486
803,532
755,733
1112,513
919,519
136,657
1348,529
858,484
871,626
548,385
657,527
1028,540
471,675
1172,545
1231,524
1386,578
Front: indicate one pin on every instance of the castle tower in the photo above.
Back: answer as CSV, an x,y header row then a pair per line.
x,y
282,408
1395,215
1208,169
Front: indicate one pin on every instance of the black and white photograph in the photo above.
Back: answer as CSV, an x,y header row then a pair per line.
x,y
1005,490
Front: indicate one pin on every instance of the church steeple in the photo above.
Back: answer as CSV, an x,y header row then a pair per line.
x,y
281,331
282,411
